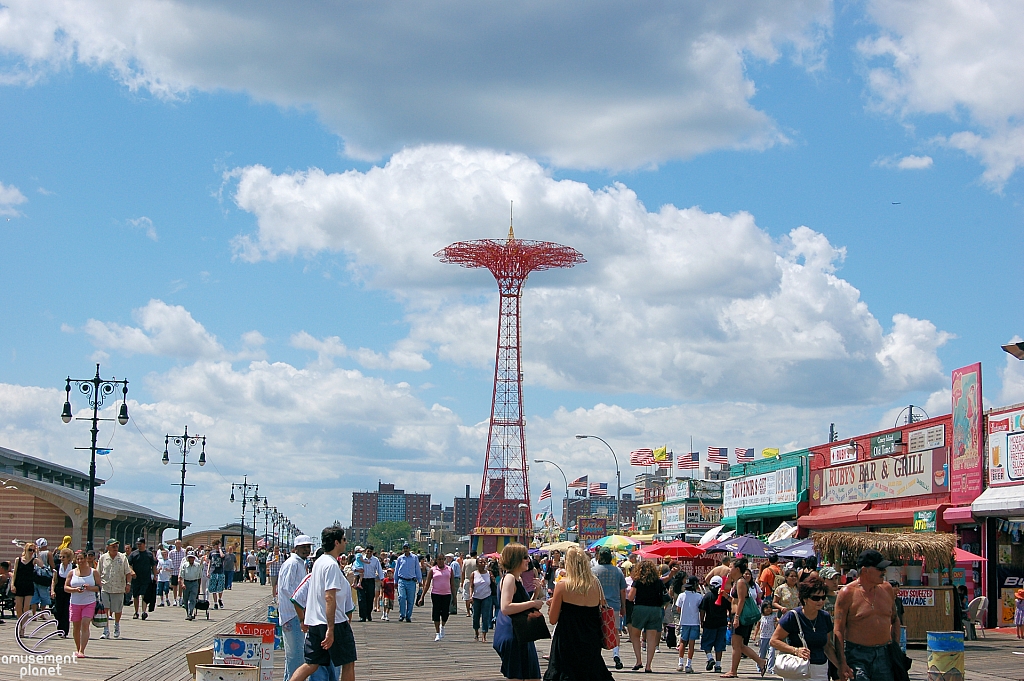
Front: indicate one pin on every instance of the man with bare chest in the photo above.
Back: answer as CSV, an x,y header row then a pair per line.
x,y
865,622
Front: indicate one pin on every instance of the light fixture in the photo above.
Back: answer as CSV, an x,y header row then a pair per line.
x,y
582,437
66,414
232,496
122,417
202,454
166,459
1015,349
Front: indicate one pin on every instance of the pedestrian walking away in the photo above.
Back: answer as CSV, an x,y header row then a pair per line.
x,y
143,566
613,583
714,621
293,571
329,639
83,586
441,585
407,576
804,631
648,596
575,607
745,614
688,606
866,622
518,660
177,556
115,579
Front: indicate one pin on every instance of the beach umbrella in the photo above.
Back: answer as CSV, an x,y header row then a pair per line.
x,y
561,546
801,549
675,549
711,535
615,542
747,544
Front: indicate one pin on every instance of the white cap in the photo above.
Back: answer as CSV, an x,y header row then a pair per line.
x,y
303,539
716,581
41,542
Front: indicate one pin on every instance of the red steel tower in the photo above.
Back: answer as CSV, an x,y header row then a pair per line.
x,y
505,486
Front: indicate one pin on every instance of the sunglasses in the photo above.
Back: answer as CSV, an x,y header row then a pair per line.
x,y
815,598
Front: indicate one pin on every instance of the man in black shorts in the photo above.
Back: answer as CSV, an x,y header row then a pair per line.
x,y
143,564
329,639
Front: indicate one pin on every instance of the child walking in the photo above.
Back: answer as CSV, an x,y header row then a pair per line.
x,y
766,627
389,595
1018,614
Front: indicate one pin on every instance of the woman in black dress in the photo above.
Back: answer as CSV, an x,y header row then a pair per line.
x,y
576,608
23,581
61,598
518,660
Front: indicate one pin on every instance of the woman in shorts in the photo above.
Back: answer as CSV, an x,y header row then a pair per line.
x,y
83,585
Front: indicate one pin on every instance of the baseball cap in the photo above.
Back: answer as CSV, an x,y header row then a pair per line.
x,y
140,540
872,558
303,540
406,546
359,548
716,581
41,542
449,555
190,554
827,573
111,542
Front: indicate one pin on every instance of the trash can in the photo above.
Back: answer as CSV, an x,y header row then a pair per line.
x,y
945,655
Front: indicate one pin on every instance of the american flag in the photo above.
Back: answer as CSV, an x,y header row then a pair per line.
x,y
718,455
642,457
599,489
744,455
689,462
545,493
666,462
580,482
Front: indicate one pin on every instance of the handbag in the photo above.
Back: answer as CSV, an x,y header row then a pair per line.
x,y
790,666
750,613
99,617
609,630
529,626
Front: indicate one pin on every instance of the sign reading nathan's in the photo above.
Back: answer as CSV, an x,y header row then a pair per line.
x,y
884,478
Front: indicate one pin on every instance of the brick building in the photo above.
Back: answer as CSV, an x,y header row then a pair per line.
x,y
44,499
466,509
387,503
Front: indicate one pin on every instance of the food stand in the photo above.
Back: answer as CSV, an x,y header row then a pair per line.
x,y
927,606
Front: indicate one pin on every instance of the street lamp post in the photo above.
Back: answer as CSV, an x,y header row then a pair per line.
x,y
184,443
247,497
618,479
96,389
255,512
522,523
565,518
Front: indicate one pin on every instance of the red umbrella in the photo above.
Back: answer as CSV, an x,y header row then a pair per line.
x,y
961,556
675,549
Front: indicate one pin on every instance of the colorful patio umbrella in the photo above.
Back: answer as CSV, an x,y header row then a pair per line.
x,y
616,542
961,556
801,549
675,549
747,544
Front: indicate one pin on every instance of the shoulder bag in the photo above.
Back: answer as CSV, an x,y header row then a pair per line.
x,y
609,630
529,626
750,613
790,666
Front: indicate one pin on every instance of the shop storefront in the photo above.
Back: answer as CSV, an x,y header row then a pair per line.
x,y
1002,508
648,522
763,494
691,508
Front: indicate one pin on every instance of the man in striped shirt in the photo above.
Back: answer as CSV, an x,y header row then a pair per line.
x,y
177,556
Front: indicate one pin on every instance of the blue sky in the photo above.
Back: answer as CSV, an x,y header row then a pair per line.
x,y
792,217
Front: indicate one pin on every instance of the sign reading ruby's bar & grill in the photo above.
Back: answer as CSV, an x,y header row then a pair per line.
x,y
883,478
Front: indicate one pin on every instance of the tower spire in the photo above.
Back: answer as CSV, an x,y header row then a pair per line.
x,y
511,234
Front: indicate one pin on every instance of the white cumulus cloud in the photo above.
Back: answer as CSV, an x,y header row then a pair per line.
x,y
10,196
584,85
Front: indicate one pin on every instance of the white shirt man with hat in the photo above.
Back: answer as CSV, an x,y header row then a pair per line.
x,y
191,574
293,571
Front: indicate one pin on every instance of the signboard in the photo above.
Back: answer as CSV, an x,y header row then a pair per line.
x,y
965,465
842,454
500,531
917,598
702,516
757,490
886,444
887,478
1006,448
591,529
644,521
677,491
924,521
927,438
673,517
690,489
579,492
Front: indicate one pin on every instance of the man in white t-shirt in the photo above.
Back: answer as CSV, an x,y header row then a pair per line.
x,y
329,637
292,573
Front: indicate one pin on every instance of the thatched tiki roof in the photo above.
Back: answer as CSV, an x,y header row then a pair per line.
x,y
842,548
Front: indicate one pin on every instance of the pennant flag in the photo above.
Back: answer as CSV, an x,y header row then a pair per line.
x,y
642,457
599,489
660,454
545,493
744,455
541,517
770,452
719,455
666,462
689,462
103,452
580,482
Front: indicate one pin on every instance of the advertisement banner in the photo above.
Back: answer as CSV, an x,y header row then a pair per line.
x,y
888,478
757,490
886,444
925,521
591,529
842,454
1006,448
965,465
691,489
702,516
926,438
673,518
919,598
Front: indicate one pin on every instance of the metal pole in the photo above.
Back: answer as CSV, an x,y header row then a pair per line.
x,y
92,462
618,478
181,499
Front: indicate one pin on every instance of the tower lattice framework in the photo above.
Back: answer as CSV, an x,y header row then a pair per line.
x,y
506,483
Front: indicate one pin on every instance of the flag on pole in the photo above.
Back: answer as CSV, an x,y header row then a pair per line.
x,y
642,457
545,493
719,455
103,452
579,482
770,452
689,462
663,457
744,455
599,489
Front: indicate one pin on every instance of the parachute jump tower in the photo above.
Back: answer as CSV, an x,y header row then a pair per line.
x,y
504,511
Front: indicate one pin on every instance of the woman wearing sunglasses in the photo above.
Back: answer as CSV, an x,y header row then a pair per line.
x,y
806,630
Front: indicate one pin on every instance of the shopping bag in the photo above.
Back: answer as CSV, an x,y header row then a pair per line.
x,y
609,631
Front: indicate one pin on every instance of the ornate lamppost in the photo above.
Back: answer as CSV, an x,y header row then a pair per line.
x,y
96,390
244,487
184,443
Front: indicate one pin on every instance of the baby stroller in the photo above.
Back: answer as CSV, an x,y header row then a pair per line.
x,y
204,605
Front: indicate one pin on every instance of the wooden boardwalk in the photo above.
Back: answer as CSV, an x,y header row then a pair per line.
x,y
154,650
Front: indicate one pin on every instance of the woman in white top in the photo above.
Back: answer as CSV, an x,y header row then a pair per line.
x,y
163,577
482,595
83,586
